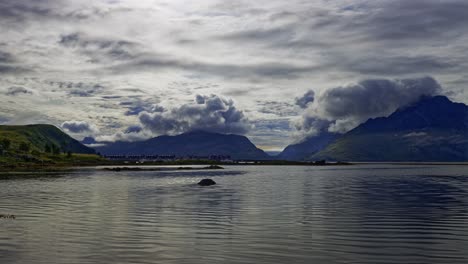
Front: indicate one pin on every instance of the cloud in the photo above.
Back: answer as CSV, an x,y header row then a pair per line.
x,y
130,134
304,100
85,90
6,57
78,89
133,129
22,11
78,127
9,63
100,49
382,64
236,70
278,108
210,113
17,90
416,20
137,106
268,36
342,108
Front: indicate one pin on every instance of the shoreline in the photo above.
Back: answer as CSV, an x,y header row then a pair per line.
x,y
185,165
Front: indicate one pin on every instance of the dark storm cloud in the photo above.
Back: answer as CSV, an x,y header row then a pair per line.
x,y
17,90
210,113
312,125
17,10
374,97
6,57
137,106
264,35
98,48
414,20
9,64
74,126
11,69
80,89
304,100
264,70
398,65
133,129
347,106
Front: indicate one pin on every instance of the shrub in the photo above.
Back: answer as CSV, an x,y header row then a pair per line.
x,y
24,147
5,143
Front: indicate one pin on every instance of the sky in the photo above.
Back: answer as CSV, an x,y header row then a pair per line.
x,y
275,71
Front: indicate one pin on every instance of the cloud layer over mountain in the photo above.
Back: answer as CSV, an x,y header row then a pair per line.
x,y
342,108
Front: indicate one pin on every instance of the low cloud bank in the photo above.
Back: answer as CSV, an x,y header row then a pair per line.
x,y
342,108
78,127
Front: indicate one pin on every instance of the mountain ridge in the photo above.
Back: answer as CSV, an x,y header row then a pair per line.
x,y
431,129
197,143
308,147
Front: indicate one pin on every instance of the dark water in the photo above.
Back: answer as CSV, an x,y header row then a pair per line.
x,y
357,214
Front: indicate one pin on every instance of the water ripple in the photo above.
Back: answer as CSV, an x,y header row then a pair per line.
x,y
255,214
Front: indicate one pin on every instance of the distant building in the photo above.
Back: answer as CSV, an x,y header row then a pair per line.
x,y
146,158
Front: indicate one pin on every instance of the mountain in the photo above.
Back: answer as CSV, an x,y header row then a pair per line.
x,y
38,136
432,129
198,143
308,147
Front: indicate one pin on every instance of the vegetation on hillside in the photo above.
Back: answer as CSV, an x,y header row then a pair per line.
x,y
41,145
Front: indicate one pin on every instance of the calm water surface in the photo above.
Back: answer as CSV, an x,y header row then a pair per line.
x,y
257,214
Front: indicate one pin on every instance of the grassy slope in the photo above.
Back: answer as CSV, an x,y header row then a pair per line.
x,y
38,136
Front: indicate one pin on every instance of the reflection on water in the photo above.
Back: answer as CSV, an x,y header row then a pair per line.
x,y
255,214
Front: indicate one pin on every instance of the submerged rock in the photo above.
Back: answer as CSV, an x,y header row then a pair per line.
x,y
7,216
213,167
206,182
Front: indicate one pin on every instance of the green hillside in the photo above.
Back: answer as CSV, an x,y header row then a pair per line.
x,y
41,144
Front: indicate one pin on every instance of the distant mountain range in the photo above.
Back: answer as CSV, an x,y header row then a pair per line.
x,y
40,136
308,147
432,129
198,143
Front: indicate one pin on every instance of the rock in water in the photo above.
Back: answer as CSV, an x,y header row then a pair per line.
x,y
7,216
206,182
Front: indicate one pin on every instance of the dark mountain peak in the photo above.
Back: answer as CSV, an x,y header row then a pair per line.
x,y
207,133
428,112
198,143
307,147
199,132
438,101
431,129
49,126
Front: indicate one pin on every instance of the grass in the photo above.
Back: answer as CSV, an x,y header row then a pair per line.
x,y
49,162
